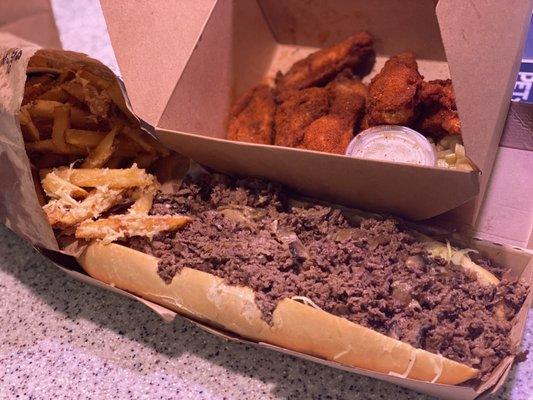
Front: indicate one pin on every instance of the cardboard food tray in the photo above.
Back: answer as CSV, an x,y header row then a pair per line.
x,y
519,260
21,212
226,47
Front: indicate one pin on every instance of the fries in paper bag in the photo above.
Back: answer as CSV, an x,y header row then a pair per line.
x,y
92,166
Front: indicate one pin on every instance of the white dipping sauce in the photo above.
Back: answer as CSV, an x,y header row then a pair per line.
x,y
393,143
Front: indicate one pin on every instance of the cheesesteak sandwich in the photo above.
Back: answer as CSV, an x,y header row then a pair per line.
x,y
364,292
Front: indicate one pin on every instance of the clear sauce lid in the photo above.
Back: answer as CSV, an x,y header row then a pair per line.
x,y
393,143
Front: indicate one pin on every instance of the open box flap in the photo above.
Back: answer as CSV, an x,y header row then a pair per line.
x,y
152,41
483,43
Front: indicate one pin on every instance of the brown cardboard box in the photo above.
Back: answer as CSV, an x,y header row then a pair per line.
x,y
227,46
520,261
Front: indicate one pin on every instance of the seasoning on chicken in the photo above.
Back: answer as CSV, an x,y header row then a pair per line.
x,y
355,53
393,93
321,119
439,111
251,118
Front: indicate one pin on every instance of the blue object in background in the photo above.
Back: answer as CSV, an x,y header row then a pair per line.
x,y
528,48
523,88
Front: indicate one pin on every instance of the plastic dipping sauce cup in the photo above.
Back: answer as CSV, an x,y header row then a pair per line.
x,y
393,143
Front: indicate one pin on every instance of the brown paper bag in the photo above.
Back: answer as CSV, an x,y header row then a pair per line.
x,y
19,208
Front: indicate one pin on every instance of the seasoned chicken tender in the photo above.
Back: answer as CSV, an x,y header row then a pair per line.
x,y
296,111
252,117
439,112
355,53
321,119
393,93
348,95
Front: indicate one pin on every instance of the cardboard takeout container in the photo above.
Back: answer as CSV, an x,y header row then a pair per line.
x,y
184,63
23,214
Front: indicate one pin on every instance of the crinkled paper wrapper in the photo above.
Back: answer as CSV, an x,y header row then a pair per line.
x,y
19,207
21,212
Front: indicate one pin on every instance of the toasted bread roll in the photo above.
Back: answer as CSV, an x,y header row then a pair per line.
x,y
295,326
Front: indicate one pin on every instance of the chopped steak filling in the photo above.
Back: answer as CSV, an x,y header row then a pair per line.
x,y
372,272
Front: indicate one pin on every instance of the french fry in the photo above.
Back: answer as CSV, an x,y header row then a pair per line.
x,y
36,85
54,94
101,83
82,119
101,153
44,127
43,108
127,148
32,132
65,75
58,188
112,178
157,145
84,138
48,146
120,226
63,213
42,70
97,103
144,199
75,89
170,172
137,137
61,124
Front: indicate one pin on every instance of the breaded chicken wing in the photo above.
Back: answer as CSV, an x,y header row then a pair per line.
x,y
392,93
354,53
439,115
252,117
321,119
297,109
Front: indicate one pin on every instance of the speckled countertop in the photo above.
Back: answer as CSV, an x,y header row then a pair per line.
x,y
62,339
